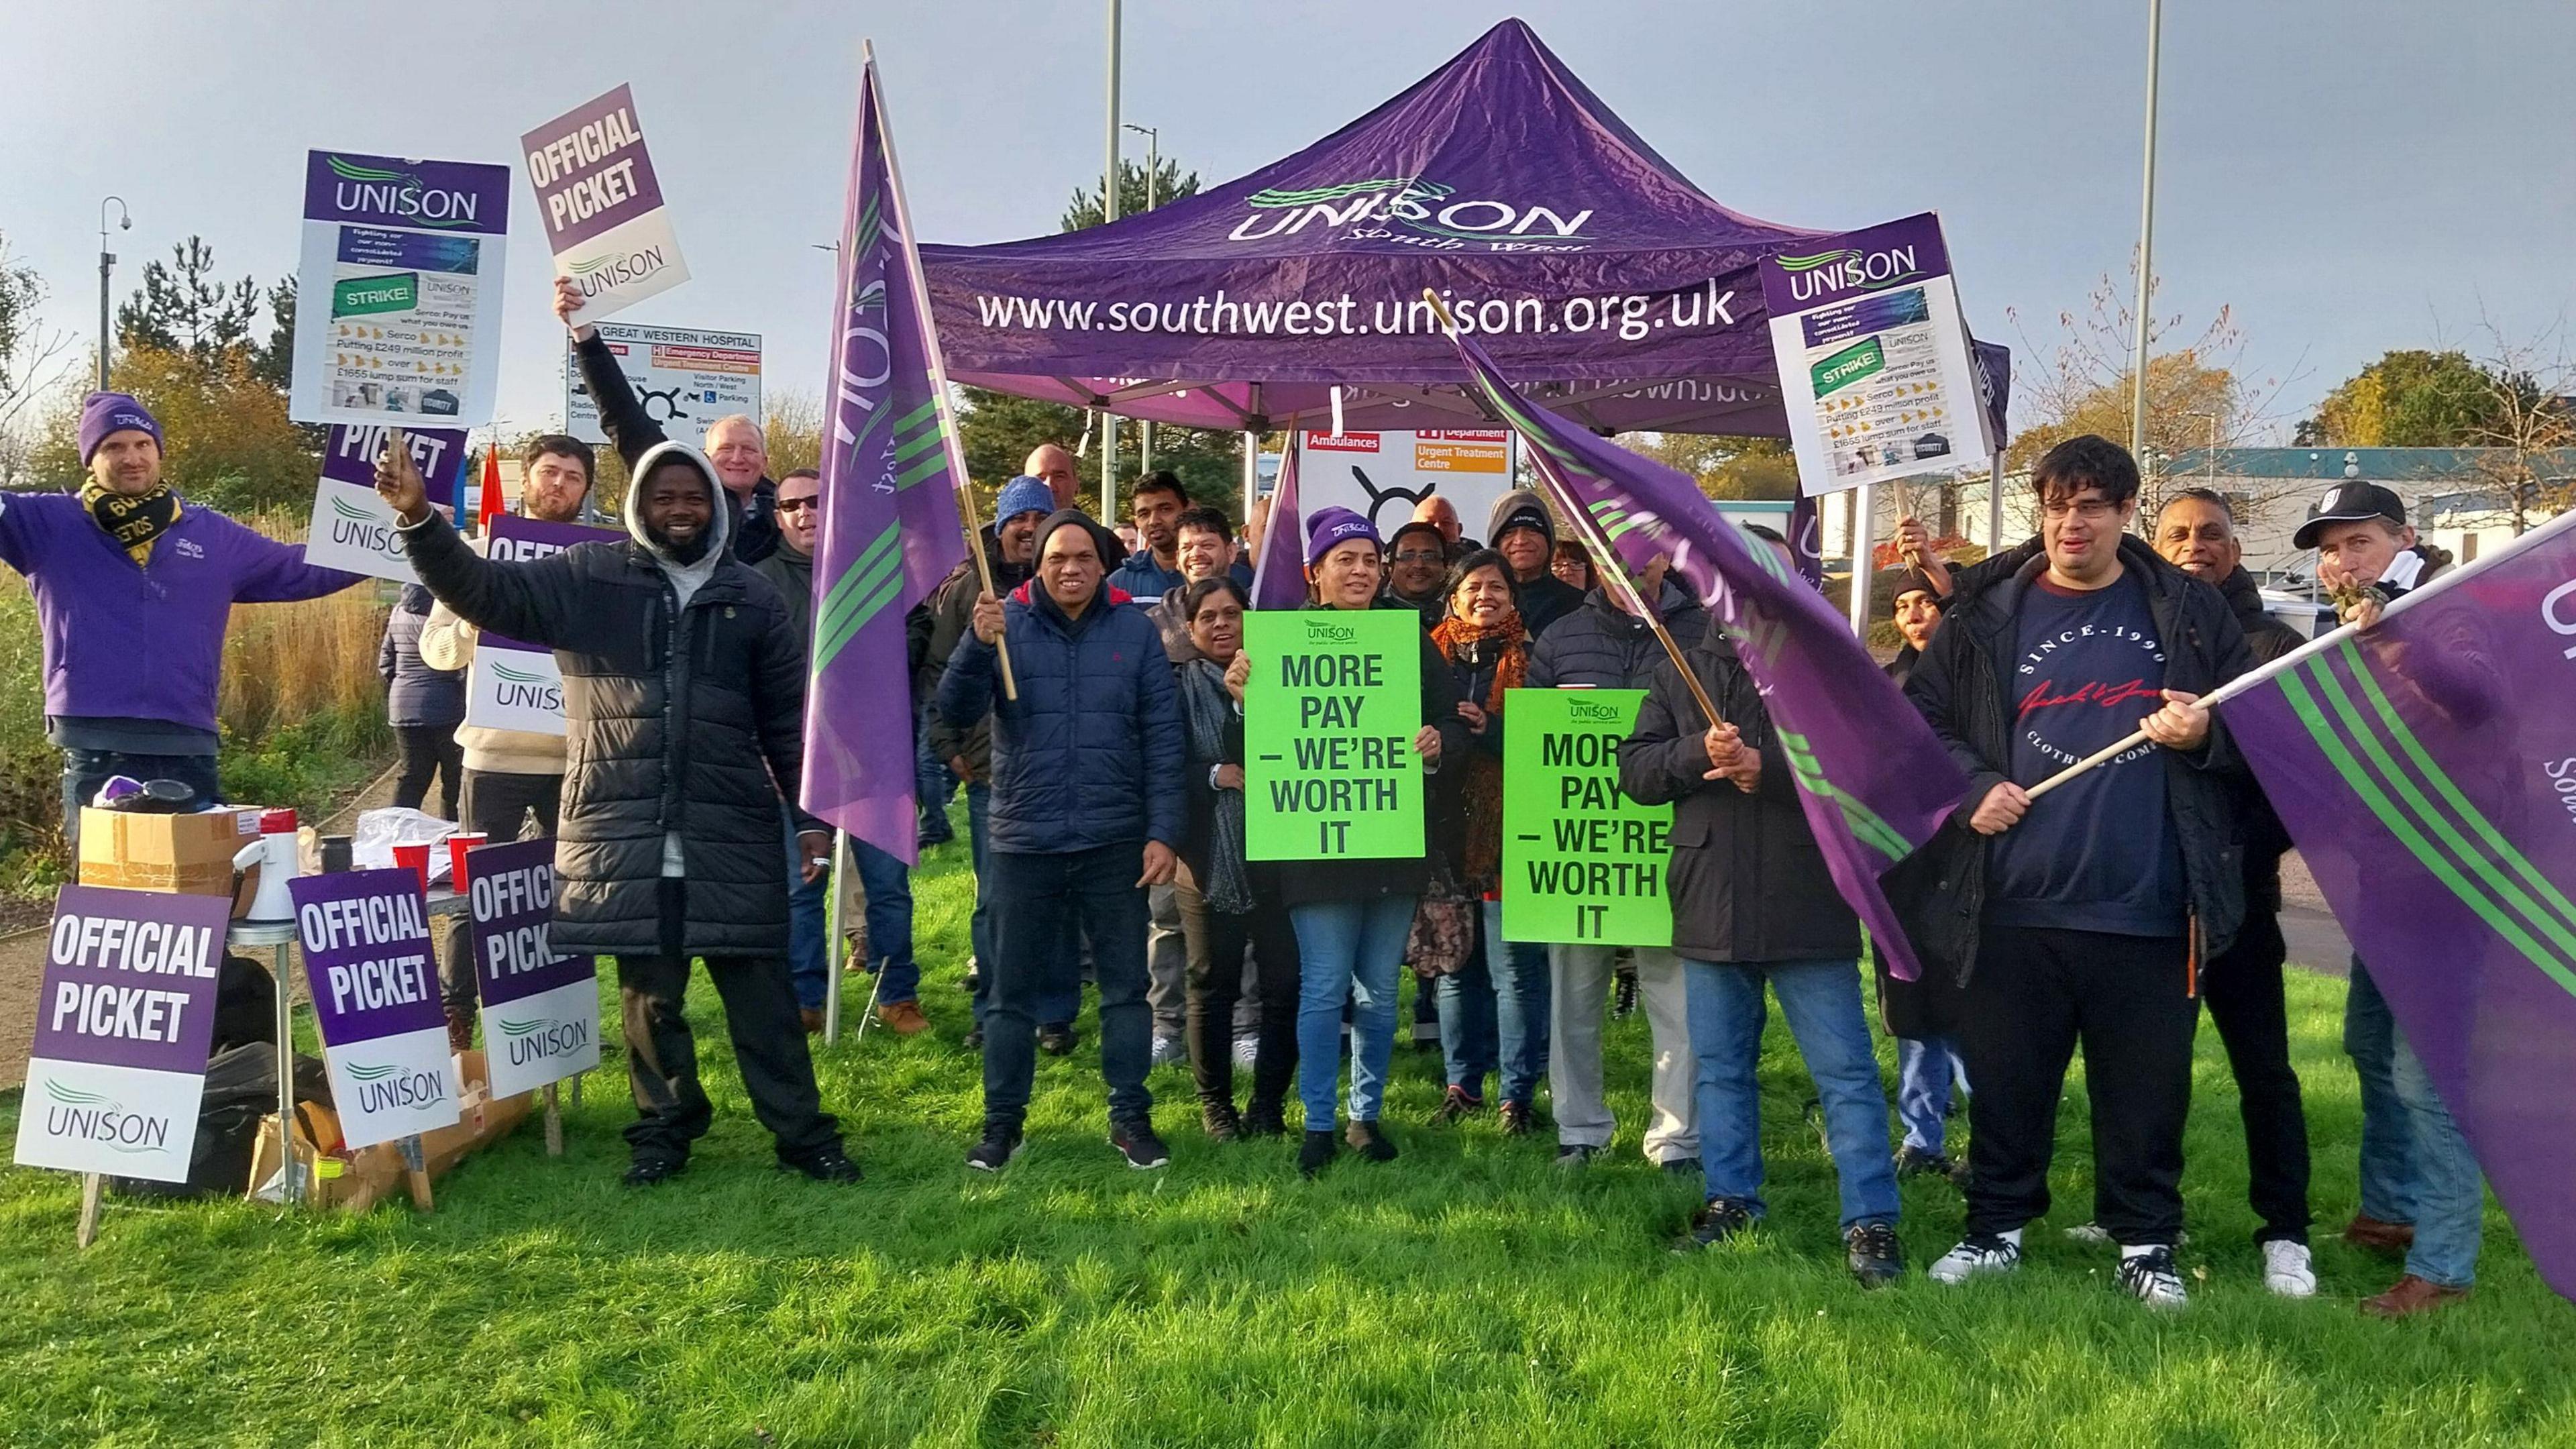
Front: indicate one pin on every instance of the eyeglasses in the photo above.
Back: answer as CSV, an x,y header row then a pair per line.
x,y
798,505
2091,510
1415,555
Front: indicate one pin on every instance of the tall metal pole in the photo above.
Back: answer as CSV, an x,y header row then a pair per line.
x,y
1153,198
1109,213
106,264
2146,241
1864,551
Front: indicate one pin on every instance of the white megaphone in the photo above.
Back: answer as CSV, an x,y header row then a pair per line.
x,y
275,854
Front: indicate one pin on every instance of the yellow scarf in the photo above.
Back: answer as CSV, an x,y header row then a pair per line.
x,y
137,521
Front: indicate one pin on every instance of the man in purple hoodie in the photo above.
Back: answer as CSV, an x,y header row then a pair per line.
x,y
132,591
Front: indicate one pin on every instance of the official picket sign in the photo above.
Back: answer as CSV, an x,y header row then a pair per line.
x,y
123,1020
602,205
374,984
1582,863
352,526
540,1010
513,684
1329,719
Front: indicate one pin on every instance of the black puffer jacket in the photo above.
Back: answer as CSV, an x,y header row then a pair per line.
x,y
1746,880
1606,647
751,526
678,720
1940,890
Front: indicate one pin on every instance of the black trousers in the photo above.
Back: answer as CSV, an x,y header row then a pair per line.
x,y
2244,994
2035,996
494,803
671,1107
428,750
1217,940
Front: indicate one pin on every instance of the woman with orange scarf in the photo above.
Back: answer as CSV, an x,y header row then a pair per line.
x,y
1493,1007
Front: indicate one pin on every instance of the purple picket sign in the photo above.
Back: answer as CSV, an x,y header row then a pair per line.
x,y
514,539
1855,264
1279,575
458,196
510,892
367,955
350,457
130,979
590,169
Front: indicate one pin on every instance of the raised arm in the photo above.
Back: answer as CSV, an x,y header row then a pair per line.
x,y
621,413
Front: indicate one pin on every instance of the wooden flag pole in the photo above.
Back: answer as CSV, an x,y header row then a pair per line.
x,y
984,572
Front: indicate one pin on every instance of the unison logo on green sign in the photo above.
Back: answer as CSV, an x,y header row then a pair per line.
x,y
1849,366
392,292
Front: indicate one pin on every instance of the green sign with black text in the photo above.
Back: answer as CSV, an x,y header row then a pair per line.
x,y
1329,718
1582,863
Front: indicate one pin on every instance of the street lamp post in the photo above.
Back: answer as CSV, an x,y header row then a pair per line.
x,y
2146,238
1109,213
106,264
1153,197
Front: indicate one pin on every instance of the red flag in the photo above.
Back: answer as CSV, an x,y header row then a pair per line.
x,y
491,507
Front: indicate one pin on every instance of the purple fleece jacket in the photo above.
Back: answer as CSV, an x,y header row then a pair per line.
x,y
129,641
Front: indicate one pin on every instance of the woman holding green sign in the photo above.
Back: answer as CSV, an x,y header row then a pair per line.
x,y
1352,916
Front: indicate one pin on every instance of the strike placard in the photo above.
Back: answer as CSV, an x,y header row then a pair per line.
x,y
374,982
513,684
352,526
1329,719
602,204
123,1020
400,281
1582,863
540,1010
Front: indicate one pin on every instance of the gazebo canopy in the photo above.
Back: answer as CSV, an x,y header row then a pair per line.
x,y
1594,273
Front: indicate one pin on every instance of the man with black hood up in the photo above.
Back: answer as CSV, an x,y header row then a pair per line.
x,y
684,697
1523,533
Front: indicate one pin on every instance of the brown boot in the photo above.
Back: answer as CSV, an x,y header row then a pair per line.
x,y
2387,1239
812,1016
460,1031
903,1018
2410,1296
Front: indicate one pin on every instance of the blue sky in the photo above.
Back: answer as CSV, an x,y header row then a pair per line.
x,y
2349,175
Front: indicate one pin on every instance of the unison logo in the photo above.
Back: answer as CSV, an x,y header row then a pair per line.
x,y
90,1117
1427,208
399,193
599,274
392,1086
1848,270
1320,631
525,688
534,1041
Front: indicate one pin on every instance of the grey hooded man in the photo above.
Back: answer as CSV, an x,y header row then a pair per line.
x,y
683,696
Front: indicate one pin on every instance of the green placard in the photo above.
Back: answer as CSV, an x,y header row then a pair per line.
x,y
1862,359
391,292
1328,724
1582,863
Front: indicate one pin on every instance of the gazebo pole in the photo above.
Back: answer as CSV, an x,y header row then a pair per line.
x,y
1864,548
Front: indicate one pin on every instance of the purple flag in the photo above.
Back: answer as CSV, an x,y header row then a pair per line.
x,y
2426,768
1279,575
890,528
1874,780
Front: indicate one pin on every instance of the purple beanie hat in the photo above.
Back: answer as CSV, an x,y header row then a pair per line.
x,y
1330,526
103,413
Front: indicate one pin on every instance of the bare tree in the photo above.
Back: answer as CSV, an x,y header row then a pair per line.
x,y
2528,436
33,359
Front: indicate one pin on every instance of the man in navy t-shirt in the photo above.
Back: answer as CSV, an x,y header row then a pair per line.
x,y
2097,901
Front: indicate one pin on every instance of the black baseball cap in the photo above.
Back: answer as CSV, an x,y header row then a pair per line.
x,y
2350,501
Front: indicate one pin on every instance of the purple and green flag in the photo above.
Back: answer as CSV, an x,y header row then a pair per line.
x,y
2427,768
890,525
1279,574
1874,781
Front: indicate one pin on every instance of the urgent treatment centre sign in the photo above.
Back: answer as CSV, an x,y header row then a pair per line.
x,y
602,204
540,1010
123,1020
513,684
1582,863
374,984
1329,719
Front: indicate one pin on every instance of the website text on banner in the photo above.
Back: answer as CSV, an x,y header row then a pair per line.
x,y
123,1020
2427,770
1874,781
374,984
512,684
1582,863
602,204
1876,369
685,378
540,1010
352,527
401,278
1328,720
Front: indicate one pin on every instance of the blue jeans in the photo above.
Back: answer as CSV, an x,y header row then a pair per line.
x,y
1821,1001
1045,904
2389,1182
888,882
933,783
85,770
1348,951
808,923
2443,1185
1493,1015
1926,1069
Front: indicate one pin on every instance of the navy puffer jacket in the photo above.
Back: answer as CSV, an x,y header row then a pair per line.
x,y
1092,752
1603,646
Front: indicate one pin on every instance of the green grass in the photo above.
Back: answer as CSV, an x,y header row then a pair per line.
x,y
1466,1294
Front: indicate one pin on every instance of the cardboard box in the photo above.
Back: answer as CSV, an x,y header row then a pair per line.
x,y
372,1174
182,854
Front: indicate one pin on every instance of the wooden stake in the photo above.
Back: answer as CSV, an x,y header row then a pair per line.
x,y
984,572
416,1172
91,1186
554,1123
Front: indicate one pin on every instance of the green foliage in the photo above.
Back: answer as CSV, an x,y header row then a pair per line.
x,y
227,442
998,430
183,306
1170,184
1728,468
30,769
311,764
2410,398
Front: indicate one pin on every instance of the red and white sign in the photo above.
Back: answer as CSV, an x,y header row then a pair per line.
x,y
1383,477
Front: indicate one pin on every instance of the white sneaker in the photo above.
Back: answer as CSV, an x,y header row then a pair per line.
x,y
2149,1273
1246,1048
1167,1050
1977,1253
2287,1270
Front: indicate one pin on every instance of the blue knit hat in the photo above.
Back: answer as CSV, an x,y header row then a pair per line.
x,y
1023,494
1330,526
103,413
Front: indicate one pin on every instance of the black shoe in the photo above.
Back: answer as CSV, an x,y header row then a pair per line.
x,y
1371,1141
1221,1121
1517,1119
1056,1038
1577,1154
1264,1120
995,1152
829,1165
1913,1161
1455,1104
1873,1254
975,1040
654,1171
1719,1219
1135,1141
1316,1153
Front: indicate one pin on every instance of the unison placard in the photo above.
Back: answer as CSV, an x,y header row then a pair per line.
x,y
540,1010
374,983
513,684
1582,863
1329,719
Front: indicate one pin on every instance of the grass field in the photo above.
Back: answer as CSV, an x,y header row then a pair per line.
x,y
1467,1294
